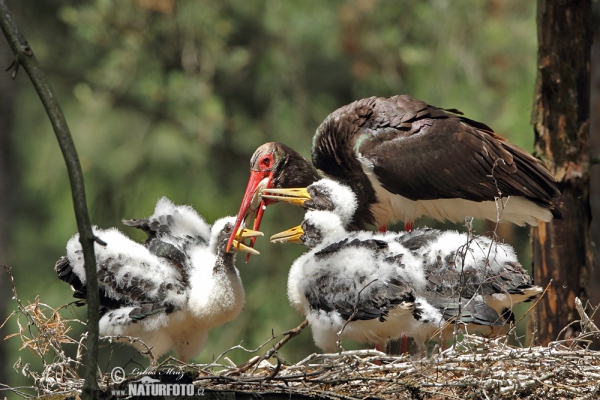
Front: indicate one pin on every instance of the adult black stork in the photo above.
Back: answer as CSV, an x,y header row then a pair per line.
x,y
374,286
405,159
169,291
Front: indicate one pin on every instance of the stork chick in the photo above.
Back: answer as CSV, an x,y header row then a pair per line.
x,y
170,291
375,286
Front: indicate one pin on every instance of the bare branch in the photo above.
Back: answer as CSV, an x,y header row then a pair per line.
x,y
288,335
24,56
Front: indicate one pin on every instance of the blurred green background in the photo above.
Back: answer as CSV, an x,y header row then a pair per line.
x,y
171,98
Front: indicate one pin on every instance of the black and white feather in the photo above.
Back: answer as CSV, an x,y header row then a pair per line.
x,y
387,284
171,290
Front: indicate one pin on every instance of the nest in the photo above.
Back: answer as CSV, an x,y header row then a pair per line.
x,y
474,367
478,368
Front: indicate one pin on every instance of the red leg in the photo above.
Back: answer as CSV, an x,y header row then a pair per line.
x,y
379,347
383,228
409,226
404,344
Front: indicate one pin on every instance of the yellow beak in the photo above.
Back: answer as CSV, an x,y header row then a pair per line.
x,y
240,236
292,235
297,196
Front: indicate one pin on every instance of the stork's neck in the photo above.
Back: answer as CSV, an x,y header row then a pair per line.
x,y
224,263
299,172
333,154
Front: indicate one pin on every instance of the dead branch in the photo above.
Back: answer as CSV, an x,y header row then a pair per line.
x,y
24,56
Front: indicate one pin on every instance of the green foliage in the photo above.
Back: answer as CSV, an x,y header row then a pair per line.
x,y
171,98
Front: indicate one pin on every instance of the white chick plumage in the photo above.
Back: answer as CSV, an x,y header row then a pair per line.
x,y
376,286
171,290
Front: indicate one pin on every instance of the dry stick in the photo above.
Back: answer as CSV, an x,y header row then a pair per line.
x,y
24,56
23,310
32,321
469,224
36,318
132,339
240,347
292,333
588,304
514,326
534,304
586,322
338,342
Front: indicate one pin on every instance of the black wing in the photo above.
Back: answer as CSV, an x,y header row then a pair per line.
x,y
65,273
465,310
126,291
373,244
448,282
163,230
365,299
422,152
418,238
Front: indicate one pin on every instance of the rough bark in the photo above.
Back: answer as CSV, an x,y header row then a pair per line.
x,y
561,248
594,144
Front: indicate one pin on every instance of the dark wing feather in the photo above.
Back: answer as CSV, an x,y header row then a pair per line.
x,y
160,231
148,309
467,311
422,152
373,244
365,299
418,238
65,273
448,282
129,291
151,228
157,230
169,251
136,289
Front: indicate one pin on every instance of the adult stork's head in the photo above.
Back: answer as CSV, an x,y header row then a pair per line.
x,y
273,165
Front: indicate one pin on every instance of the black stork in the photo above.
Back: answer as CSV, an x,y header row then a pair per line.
x,y
406,159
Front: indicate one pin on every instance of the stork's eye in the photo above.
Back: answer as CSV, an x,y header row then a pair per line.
x,y
266,161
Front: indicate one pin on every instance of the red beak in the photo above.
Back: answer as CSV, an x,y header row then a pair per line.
x,y
256,177
259,214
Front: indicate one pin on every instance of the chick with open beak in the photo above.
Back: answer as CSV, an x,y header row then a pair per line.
x,y
238,245
253,205
323,195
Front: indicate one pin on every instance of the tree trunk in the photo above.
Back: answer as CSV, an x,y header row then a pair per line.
x,y
561,248
594,144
